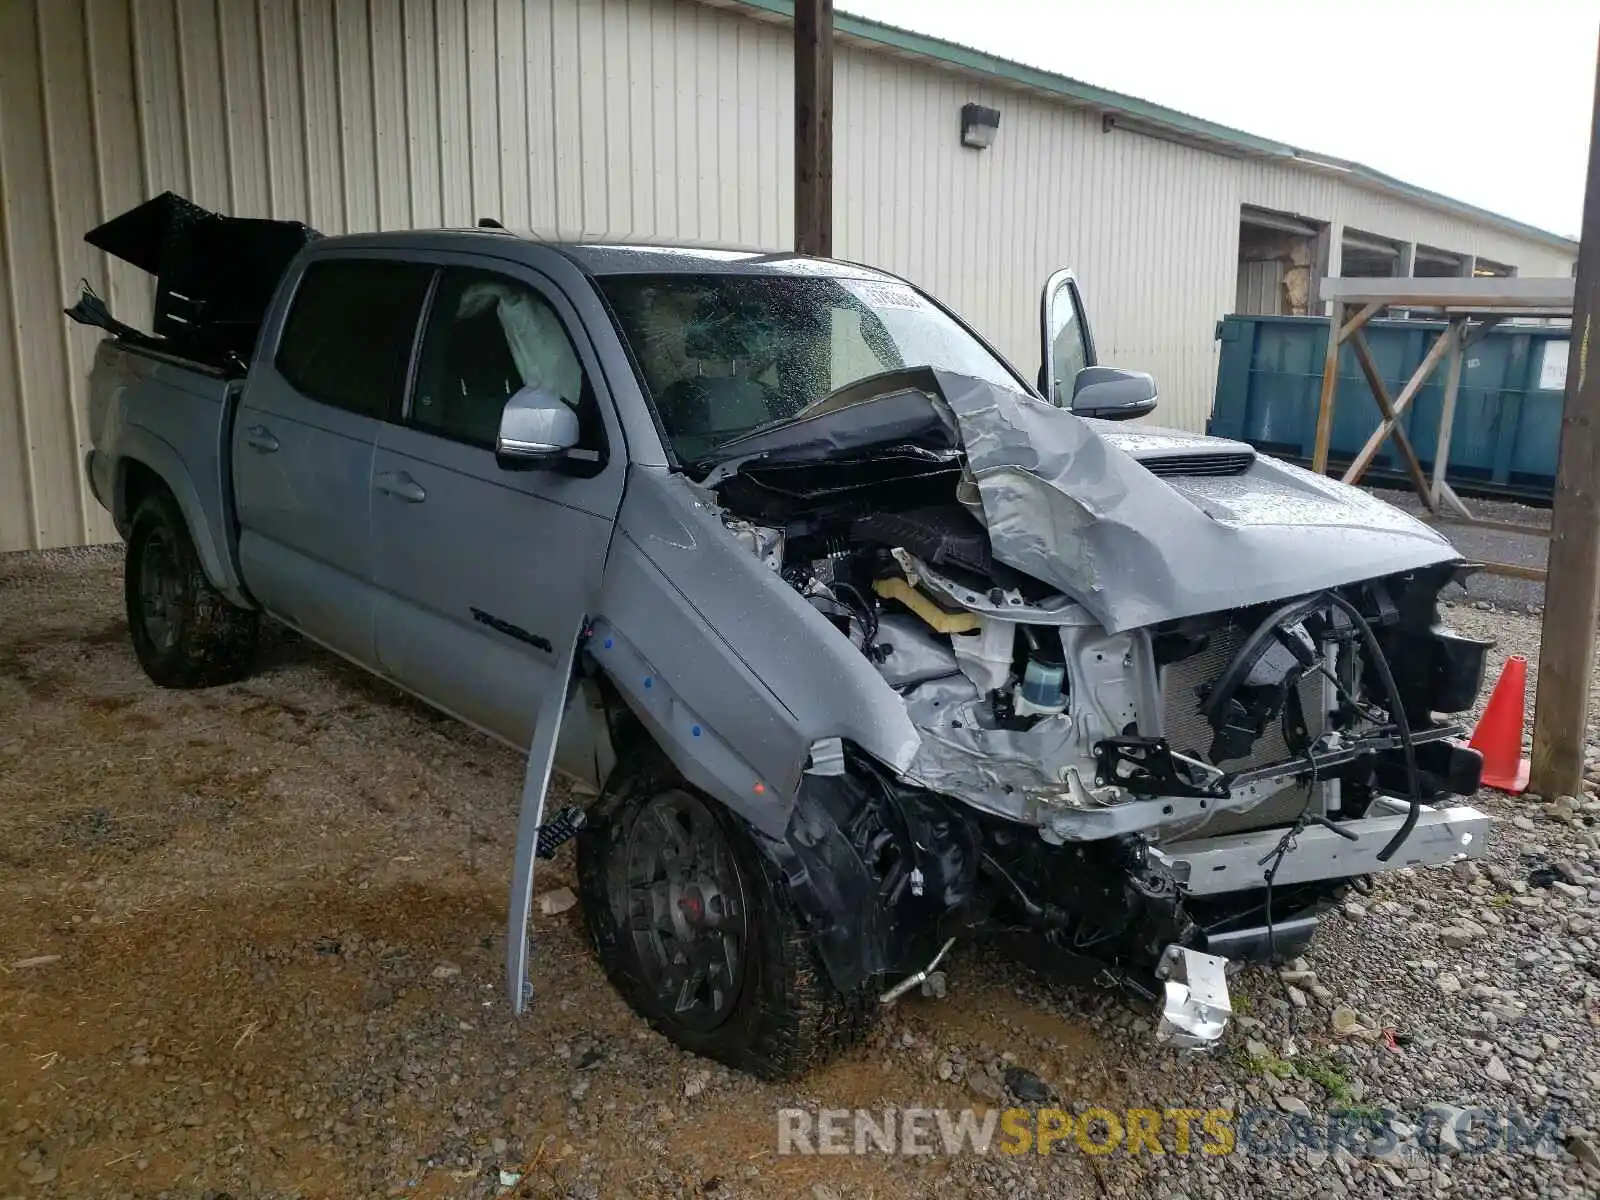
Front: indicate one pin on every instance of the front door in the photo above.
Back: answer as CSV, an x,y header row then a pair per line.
x,y
1066,345
482,570
304,439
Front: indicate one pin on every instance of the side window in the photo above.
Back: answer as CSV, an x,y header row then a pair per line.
x,y
348,338
1068,353
489,337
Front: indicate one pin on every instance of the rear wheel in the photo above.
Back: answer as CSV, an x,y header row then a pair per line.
x,y
185,633
695,927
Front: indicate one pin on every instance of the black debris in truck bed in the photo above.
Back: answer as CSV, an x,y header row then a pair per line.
x,y
215,274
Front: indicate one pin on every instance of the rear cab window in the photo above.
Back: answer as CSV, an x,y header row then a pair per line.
x,y
348,339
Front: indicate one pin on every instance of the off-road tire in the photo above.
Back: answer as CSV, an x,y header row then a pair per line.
x,y
211,639
788,1017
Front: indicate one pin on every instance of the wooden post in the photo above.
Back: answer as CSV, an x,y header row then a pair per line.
x,y
1447,416
1566,650
813,127
1330,389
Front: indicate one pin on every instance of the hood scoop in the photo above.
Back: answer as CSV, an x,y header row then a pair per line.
x,y
1190,462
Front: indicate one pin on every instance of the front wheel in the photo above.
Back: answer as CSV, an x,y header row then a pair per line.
x,y
185,633
695,927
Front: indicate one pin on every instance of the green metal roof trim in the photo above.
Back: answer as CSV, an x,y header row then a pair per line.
x,y
966,58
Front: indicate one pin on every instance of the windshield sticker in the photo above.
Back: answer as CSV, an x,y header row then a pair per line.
x,y
886,295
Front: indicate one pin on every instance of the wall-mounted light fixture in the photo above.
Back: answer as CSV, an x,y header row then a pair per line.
x,y
979,125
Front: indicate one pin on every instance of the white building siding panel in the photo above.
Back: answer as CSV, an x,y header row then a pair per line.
x,y
983,229
655,119
599,118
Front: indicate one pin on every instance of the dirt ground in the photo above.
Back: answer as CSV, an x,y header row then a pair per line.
x,y
251,945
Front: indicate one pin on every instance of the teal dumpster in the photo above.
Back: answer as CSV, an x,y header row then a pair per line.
x,y
1508,411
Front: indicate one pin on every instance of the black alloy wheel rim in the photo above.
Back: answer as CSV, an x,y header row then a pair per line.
x,y
686,910
160,589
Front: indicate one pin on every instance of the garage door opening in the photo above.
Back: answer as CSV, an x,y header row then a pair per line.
x,y
1277,263
1433,263
1368,256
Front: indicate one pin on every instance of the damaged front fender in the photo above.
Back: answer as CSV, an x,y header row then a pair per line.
x,y
878,870
1066,505
761,670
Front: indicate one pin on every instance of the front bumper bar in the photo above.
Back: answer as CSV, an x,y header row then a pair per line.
x,y
1233,862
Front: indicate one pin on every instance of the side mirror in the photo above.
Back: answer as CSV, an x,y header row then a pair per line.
x,y
1113,394
537,428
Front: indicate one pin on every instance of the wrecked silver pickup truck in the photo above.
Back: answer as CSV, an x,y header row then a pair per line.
x,y
859,642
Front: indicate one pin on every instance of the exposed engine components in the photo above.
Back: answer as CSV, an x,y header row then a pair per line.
x,y
1030,711
763,541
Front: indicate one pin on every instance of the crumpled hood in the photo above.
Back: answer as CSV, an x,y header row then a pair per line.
x,y
1066,501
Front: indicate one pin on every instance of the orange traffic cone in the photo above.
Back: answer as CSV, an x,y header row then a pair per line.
x,y
1498,736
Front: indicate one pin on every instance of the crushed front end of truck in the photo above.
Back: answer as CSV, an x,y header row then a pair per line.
x,y
1171,699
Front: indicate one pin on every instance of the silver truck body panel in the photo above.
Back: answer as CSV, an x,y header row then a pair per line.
x,y
1226,863
303,486
165,415
535,786
1066,503
470,620
760,665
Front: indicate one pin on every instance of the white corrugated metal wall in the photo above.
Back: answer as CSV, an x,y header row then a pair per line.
x,y
572,117
647,118
1151,226
983,230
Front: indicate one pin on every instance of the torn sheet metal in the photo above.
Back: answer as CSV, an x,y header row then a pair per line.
x,y
1195,1006
909,653
1066,500
1065,504
1005,771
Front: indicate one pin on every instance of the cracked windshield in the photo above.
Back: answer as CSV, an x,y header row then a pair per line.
x,y
725,355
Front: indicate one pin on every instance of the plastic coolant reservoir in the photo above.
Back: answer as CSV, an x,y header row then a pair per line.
x,y
1042,689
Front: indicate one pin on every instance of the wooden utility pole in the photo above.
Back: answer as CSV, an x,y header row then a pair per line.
x,y
813,126
1566,648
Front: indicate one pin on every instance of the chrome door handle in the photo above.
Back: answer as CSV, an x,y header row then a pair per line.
x,y
259,437
401,486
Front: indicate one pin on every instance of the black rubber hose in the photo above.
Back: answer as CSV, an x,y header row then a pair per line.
x,y
1398,712
1244,659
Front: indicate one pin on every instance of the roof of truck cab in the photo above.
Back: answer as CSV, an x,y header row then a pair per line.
x,y
639,258
616,258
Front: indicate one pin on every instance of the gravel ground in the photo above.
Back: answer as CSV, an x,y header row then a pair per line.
x,y
251,944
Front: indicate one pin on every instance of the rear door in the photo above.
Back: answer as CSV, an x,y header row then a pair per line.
x,y
483,570
1066,345
304,439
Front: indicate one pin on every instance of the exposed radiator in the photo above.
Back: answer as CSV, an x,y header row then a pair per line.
x,y
1188,732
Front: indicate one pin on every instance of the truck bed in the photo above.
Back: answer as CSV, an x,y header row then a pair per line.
x,y
176,416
